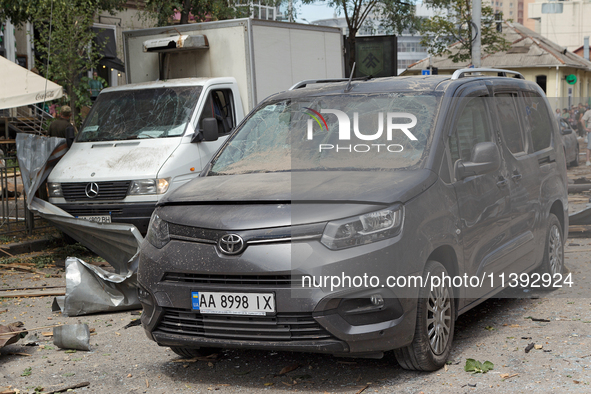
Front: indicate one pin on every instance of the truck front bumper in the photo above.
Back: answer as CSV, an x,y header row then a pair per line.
x,y
131,213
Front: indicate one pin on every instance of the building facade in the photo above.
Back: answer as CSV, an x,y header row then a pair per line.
x,y
537,59
564,22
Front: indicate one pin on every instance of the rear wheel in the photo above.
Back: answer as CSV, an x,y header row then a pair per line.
x,y
553,261
434,329
195,352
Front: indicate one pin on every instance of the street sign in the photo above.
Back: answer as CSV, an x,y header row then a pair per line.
x,y
425,72
571,79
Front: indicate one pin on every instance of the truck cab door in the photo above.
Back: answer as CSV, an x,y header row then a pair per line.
x,y
219,104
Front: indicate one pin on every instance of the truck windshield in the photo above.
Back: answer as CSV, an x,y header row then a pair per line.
x,y
337,132
145,113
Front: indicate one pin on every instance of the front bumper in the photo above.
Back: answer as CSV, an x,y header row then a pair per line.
x,y
315,321
132,213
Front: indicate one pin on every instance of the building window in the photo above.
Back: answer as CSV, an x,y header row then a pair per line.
x,y
552,8
541,81
404,63
411,47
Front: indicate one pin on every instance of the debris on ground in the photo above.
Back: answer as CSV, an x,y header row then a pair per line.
x,y
72,336
11,333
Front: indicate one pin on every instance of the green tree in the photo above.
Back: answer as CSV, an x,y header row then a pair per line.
x,y
201,10
66,41
394,15
441,31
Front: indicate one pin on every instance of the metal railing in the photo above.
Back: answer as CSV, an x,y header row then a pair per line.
x,y
33,118
14,214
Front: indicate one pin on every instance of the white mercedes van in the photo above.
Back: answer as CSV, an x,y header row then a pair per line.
x,y
140,142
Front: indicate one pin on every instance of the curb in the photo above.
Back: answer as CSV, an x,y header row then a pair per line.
x,y
35,245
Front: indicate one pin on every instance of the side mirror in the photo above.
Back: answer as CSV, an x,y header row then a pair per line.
x,y
485,159
210,129
565,130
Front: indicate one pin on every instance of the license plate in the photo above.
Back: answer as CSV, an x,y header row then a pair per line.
x,y
258,304
97,219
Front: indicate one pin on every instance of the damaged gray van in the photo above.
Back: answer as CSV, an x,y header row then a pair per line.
x,y
361,217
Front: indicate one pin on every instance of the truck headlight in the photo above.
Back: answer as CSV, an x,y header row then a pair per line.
x,y
158,234
54,189
363,229
149,186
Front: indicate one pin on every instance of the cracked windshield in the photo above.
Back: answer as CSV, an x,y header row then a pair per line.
x,y
339,132
137,114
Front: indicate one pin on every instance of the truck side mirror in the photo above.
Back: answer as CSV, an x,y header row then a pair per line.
x,y
210,129
485,159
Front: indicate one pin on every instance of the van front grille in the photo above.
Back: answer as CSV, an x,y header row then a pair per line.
x,y
231,280
295,326
106,191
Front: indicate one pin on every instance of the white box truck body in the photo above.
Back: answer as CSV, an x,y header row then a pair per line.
x,y
145,139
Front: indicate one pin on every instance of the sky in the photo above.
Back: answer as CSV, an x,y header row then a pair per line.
x,y
312,12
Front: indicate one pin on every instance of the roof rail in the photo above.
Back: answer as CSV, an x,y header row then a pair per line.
x,y
306,82
460,73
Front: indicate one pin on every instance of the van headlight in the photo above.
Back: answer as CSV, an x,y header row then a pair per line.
x,y
149,186
158,234
363,229
54,189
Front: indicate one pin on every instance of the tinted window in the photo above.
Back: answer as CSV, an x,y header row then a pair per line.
x,y
537,120
472,127
510,128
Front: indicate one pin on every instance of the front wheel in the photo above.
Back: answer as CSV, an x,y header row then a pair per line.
x,y
434,329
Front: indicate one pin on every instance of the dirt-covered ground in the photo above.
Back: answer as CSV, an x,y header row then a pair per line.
x,y
499,330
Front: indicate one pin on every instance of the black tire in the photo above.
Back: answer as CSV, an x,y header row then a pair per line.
x,y
553,260
575,162
195,352
434,331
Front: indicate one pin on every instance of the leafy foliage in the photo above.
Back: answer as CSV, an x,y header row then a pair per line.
x,y
455,27
478,367
199,10
395,16
65,39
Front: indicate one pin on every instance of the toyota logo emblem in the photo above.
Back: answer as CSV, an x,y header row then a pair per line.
x,y
231,244
91,190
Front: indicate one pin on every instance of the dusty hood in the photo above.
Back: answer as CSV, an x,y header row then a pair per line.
x,y
115,160
383,187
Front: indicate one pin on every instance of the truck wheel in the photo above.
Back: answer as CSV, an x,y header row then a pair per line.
x,y
195,352
434,330
553,260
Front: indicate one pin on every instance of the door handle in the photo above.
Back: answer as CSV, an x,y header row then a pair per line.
x,y
502,182
516,177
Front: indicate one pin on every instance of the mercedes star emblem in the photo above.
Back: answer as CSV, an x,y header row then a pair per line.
x,y
231,244
91,190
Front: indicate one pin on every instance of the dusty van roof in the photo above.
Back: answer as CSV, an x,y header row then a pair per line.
x,y
169,83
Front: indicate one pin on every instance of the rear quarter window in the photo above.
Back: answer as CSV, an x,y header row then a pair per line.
x,y
537,120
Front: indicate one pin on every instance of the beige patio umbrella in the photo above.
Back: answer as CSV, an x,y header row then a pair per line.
x,y
19,86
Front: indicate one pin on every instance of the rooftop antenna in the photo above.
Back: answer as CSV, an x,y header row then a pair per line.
x,y
349,87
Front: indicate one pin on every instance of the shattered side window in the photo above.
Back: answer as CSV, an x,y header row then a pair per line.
x,y
137,114
334,132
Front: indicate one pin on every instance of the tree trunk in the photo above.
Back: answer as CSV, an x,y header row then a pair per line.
x,y
185,12
351,41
